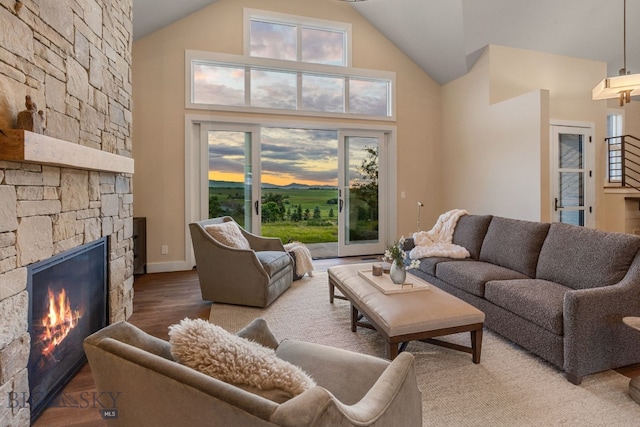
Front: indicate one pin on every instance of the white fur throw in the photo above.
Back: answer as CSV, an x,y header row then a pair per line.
x,y
228,234
437,241
304,262
218,353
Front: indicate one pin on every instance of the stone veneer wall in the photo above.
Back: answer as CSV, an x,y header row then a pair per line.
x,y
74,58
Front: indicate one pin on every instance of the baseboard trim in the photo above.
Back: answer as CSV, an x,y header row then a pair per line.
x,y
167,267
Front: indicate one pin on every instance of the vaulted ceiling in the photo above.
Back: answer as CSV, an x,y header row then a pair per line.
x,y
444,37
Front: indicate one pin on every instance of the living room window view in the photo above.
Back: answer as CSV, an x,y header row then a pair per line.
x,y
342,212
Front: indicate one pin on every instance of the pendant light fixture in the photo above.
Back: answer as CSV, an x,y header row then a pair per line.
x,y
622,86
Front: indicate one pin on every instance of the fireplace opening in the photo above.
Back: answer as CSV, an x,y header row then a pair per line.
x,y
68,302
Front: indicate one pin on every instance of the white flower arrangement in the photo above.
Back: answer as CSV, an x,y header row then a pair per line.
x,y
396,254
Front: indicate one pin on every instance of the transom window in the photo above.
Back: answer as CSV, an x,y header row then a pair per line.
x,y
234,82
294,38
291,63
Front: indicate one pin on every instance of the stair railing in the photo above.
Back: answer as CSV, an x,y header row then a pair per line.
x,y
623,153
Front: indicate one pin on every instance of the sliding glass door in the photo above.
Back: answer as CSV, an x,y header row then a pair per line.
x,y
360,193
230,169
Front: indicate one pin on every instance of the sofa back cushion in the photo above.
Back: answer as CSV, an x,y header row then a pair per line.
x,y
514,244
582,258
470,231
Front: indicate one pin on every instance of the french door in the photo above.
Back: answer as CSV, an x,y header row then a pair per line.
x,y
572,153
361,184
270,178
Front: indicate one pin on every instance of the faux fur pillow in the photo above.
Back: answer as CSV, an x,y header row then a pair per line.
x,y
212,350
228,234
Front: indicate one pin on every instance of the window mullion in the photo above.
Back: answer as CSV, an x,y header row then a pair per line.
x,y
347,107
299,91
247,86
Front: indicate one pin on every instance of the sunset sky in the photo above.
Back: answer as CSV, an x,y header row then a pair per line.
x,y
288,156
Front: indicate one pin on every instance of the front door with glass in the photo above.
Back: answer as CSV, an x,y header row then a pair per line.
x,y
572,175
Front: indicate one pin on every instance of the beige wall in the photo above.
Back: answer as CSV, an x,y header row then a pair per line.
x,y
507,100
484,145
159,114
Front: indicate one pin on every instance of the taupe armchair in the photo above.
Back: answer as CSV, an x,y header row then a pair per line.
x,y
254,277
353,389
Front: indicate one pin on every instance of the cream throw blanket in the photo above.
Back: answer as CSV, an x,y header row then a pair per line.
x,y
437,241
304,263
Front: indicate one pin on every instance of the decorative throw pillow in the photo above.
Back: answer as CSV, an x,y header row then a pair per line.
x,y
228,234
210,349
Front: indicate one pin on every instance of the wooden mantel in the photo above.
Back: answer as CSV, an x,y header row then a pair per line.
x,y
18,145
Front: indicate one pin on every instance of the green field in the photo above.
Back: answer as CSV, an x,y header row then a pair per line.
x,y
318,206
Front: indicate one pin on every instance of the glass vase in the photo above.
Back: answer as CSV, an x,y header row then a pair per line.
x,y
398,273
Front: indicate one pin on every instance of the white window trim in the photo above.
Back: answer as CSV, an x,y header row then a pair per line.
x,y
296,20
329,70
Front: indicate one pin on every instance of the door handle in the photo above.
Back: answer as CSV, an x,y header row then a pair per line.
x,y
556,206
256,207
340,206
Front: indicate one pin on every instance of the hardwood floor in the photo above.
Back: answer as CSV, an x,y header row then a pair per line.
x,y
161,299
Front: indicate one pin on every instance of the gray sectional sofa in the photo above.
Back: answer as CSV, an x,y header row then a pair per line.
x,y
558,290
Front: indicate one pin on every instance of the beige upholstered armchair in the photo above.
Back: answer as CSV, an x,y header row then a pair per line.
x,y
237,267
154,390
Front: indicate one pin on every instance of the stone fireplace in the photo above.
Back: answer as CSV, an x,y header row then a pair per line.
x,y
74,59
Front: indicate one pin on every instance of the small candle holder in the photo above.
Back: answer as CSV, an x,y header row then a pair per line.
x,y
376,270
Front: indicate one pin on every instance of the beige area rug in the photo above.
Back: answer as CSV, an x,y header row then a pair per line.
x,y
510,387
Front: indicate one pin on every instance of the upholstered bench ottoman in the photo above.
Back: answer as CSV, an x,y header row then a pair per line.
x,y
406,316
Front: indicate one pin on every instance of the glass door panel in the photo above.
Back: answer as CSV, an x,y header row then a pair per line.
x,y
570,175
230,176
360,195
571,172
299,176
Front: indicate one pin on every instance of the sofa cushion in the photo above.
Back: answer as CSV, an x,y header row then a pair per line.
x,y
229,234
428,265
470,232
273,261
210,349
514,244
538,301
471,276
582,258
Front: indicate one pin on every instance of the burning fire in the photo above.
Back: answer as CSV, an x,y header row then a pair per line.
x,y
58,321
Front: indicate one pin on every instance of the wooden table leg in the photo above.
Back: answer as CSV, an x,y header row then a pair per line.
x,y
393,350
354,318
476,344
634,389
332,291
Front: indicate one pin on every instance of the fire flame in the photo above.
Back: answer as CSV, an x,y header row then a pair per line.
x,y
58,322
